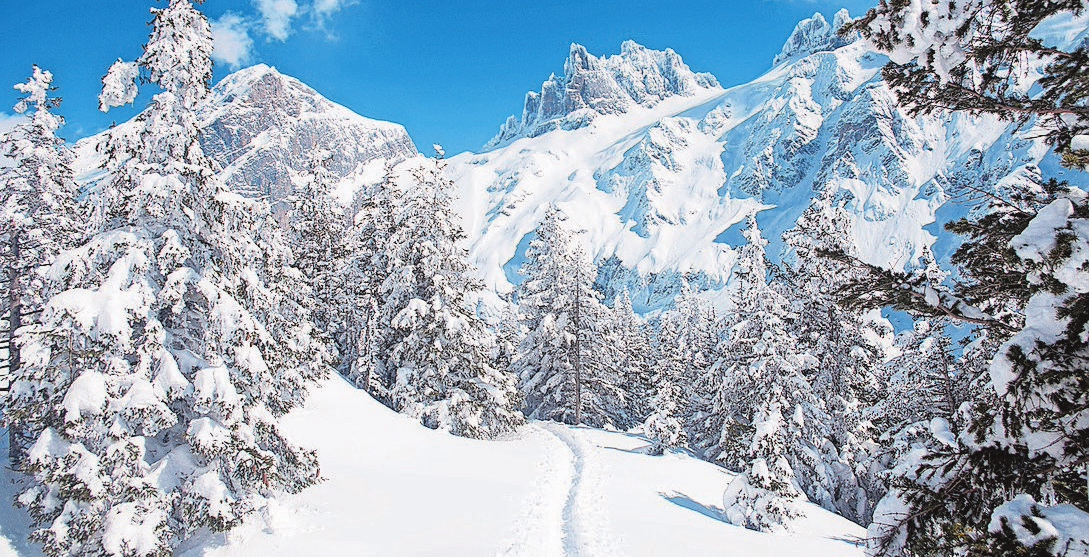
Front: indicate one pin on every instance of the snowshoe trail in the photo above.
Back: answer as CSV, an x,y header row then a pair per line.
x,y
586,531
541,529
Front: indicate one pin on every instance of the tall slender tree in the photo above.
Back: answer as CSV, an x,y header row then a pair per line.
x,y
37,212
365,269
762,394
564,320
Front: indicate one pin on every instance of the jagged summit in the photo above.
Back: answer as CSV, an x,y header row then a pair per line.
x,y
590,86
814,35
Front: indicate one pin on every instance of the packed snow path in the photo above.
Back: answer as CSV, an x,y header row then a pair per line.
x,y
394,487
586,531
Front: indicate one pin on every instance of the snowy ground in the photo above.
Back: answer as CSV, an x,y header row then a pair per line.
x,y
396,488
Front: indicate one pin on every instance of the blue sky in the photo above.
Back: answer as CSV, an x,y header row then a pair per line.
x,y
449,71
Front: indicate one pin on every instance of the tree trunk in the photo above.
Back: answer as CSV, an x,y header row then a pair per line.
x,y
15,320
578,350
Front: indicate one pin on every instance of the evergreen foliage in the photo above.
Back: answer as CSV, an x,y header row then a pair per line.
x,y
435,348
37,211
154,376
760,391
1022,279
364,271
970,56
563,363
318,240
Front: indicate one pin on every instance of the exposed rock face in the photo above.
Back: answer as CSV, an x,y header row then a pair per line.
x,y
814,35
262,127
589,86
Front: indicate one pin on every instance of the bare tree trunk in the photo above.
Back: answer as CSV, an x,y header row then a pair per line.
x,y
578,350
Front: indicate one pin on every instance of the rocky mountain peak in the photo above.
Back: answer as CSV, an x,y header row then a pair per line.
x,y
262,126
814,35
591,86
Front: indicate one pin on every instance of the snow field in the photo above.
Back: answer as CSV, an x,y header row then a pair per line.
x,y
393,487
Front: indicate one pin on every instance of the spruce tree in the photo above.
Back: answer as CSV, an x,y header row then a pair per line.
x,y
436,347
318,239
37,212
971,57
366,266
685,343
563,362
762,394
1026,437
838,470
663,427
175,341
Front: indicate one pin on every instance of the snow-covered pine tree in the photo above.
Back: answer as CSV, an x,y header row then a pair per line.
x,y
37,212
624,353
563,317
992,488
663,427
154,378
670,392
923,382
763,496
685,342
364,271
762,394
837,471
318,240
508,330
436,346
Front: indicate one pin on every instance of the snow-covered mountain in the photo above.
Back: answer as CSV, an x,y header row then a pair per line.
x,y
657,165
263,127
654,163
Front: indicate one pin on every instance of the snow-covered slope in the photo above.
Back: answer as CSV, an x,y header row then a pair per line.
x,y
658,188
393,487
263,127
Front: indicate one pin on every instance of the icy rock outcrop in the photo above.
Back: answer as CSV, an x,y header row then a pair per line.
x,y
610,85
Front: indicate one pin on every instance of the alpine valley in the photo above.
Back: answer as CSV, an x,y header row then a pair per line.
x,y
641,239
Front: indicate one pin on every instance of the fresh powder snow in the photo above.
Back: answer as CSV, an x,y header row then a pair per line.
x,y
393,487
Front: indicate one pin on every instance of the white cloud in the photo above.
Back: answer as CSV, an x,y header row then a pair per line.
x,y
322,10
233,44
276,16
9,121
325,8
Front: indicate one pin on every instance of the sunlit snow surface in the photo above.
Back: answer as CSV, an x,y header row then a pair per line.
x,y
393,487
